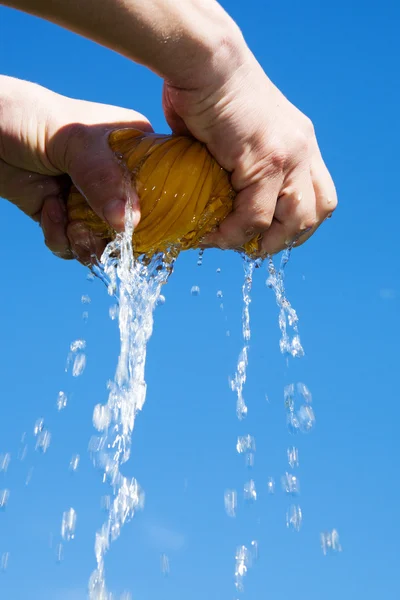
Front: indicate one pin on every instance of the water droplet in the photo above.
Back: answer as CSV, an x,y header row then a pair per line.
x,y
85,316
113,312
5,557
4,497
195,290
43,441
29,476
164,565
90,277
85,299
59,553
161,300
4,462
294,517
230,501
220,294
330,542
79,364
101,417
250,493
200,259
305,392
68,525
61,400
249,460
77,345
245,443
254,551
242,564
290,484
218,270
271,485
299,417
293,456
39,424
74,462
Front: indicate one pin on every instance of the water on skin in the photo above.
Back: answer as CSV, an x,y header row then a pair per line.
x,y
137,284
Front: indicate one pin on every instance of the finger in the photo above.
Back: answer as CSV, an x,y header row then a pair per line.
x,y
26,189
253,211
295,214
54,222
85,245
82,150
325,195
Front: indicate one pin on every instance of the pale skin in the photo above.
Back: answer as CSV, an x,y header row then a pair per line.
x,y
214,89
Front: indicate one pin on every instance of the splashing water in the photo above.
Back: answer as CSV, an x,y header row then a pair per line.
x,y
239,379
230,501
288,319
137,284
330,542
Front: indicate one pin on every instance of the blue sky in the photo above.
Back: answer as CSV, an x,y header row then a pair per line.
x,y
339,63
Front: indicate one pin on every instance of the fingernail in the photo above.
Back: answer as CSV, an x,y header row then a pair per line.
x,y
114,214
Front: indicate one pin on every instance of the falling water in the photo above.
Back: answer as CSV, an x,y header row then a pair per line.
x,y
136,283
239,379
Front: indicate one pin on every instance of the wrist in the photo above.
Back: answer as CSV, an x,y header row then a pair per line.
x,y
215,48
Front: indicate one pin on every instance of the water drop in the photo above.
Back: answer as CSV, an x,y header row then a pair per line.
x,y
43,441
245,443
293,456
195,290
290,484
85,316
79,364
85,299
200,259
61,400
90,277
5,462
101,417
230,501
161,300
250,493
271,485
77,345
254,551
220,294
38,427
74,462
4,497
68,525
5,557
113,312
294,517
29,476
249,460
165,569
59,553
218,270
242,564
330,542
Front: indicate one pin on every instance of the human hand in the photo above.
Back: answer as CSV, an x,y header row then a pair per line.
x,y
284,188
47,142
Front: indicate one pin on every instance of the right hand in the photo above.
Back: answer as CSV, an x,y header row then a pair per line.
x,y
284,190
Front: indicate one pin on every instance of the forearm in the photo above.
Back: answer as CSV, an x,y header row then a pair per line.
x,y
178,39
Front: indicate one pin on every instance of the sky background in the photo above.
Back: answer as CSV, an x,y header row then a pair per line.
x,y
338,61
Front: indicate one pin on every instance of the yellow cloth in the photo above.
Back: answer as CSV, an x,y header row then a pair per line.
x,y
183,192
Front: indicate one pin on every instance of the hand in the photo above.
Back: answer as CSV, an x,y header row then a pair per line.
x,y
48,141
284,188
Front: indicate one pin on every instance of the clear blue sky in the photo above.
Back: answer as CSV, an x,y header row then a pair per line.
x,y
338,61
